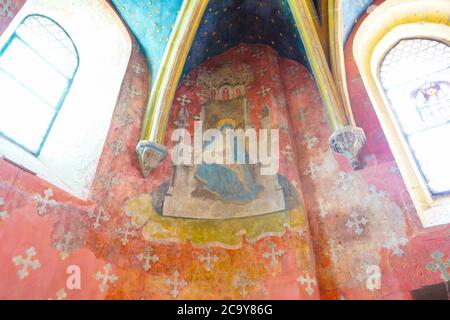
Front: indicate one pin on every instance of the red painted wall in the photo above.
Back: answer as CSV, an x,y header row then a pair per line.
x,y
376,192
43,224
347,257
8,10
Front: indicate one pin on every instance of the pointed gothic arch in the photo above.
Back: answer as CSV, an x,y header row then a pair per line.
x,y
346,140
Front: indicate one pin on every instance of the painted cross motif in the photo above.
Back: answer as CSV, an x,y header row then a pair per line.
x,y
203,96
45,201
26,262
6,7
356,222
61,294
99,217
184,100
124,119
105,278
335,249
204,70
293,70
188,82
66,246
310,141
296,91
308,283
138,69
261,71
242,283
312,169
264,91
117,148
276,78
258,54
302,115
273,254
133,91
242,49
289,153
126,232
209,260
439,265
375,194
147,258
394,170
285,128
108,181
394,242
323,208
3,214
344,181
275,60
175,284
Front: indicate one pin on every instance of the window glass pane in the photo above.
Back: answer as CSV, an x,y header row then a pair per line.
x,y
36,70
432,152
50,40
33,72
416,77
23,117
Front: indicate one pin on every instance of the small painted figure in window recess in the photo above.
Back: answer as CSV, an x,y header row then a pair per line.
x,y
433,101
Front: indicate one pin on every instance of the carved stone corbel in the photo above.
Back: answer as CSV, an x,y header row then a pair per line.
x,y
349,141
150,155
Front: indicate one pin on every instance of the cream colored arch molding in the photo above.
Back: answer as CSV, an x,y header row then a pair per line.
x,y
150,149
337,59
389,23
347,139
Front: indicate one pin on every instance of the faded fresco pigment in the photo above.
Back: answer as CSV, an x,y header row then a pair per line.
x,y
344,234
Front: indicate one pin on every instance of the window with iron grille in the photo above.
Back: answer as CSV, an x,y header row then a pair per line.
x,y
415,75
37,68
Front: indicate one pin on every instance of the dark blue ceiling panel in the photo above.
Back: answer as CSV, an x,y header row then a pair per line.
x,y
227,23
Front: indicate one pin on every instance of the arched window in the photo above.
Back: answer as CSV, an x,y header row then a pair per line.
x,y
402,52
59,110
415,75
37,67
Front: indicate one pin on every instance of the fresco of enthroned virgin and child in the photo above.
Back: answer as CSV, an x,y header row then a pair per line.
x,y
232,189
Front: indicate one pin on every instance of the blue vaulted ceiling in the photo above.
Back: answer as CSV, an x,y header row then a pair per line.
x,y
227,23
151,21
352,10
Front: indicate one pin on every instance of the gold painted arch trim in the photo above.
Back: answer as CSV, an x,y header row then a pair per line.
x,y
169,73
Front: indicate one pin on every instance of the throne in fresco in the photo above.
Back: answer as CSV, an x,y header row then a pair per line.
x,y
223,191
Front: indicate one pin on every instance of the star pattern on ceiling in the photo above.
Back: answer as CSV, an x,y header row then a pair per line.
x,y
152,22
227,23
